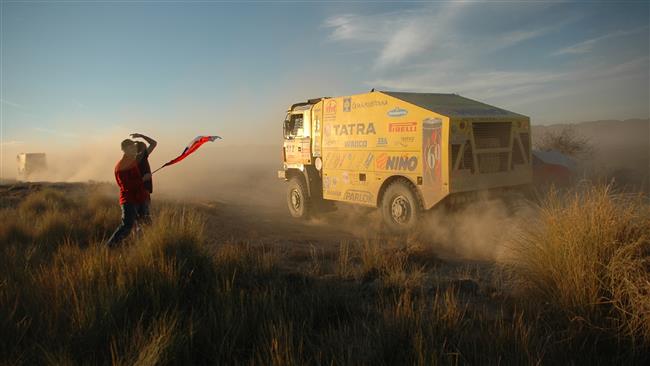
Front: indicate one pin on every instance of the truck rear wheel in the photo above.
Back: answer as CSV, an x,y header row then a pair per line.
x,y
297,199
400,207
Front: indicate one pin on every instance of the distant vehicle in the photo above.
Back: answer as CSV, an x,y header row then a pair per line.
x,y
552,167
30,164
400,152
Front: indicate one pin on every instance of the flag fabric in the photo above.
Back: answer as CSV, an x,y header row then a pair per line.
x,y
191,147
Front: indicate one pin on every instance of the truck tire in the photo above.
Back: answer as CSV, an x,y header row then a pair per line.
x,y
297,199
401,208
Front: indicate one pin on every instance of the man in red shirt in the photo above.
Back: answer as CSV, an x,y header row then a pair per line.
x,y
132,190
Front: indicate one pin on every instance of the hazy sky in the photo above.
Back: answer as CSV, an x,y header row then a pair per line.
x,y
72,70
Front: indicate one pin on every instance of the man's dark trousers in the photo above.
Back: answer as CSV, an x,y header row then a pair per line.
x,y
129,214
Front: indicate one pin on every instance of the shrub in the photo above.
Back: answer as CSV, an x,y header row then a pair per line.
x,y
586,258
45,200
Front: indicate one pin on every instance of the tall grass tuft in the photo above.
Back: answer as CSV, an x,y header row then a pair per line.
x,y
586,258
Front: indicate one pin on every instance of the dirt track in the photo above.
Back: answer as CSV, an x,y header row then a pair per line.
x,y
273,226
267,221
241,223
305,241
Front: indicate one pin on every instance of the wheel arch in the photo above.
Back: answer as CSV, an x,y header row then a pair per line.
x,y
293,173
308,176
390,180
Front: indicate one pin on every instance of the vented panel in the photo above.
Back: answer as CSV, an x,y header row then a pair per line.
x,y
493,162
517,156
525,142
468,158
455,151
491,134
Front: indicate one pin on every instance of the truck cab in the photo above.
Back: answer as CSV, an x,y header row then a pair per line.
x,y
301,131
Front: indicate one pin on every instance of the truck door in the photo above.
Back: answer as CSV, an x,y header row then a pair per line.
x,y
297,140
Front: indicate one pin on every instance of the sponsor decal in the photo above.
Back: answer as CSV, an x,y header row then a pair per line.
x,y
382,141
400,127
368,161
405,141
369,104
317,140
358,196
354,144
326,183
355,129
332,160
317,125
432,142
433,156
346,177
347,104
329,110
330,142
397,112
330,106
391,162
334,193
327,130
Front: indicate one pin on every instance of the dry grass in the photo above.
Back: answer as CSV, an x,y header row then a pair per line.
x,y
586,261
166,297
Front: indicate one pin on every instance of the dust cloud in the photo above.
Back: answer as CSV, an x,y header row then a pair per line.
x,y
244,176
621,151
218,171
478,230
69,161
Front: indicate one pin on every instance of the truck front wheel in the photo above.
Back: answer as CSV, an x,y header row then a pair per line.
x,y
297,199
400,207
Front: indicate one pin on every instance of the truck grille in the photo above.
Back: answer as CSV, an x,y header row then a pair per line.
x,y
468,158
496,149
520,155
493,162
491,134
517,156
455,151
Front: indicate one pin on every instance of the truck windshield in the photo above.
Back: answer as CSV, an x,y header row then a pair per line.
x,y
293,125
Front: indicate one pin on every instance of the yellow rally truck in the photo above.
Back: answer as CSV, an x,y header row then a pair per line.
x,y
400,152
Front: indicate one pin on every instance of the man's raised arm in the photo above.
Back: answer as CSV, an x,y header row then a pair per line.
x,y
152,142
